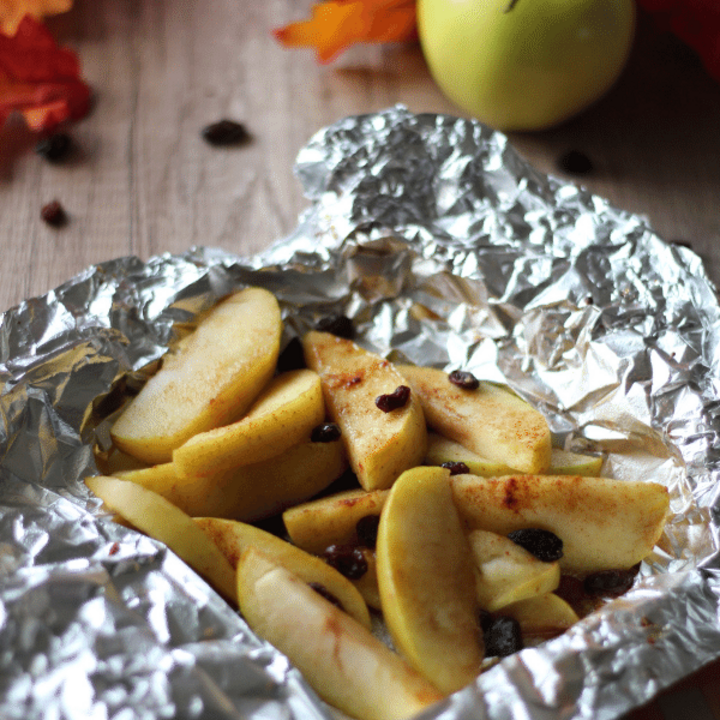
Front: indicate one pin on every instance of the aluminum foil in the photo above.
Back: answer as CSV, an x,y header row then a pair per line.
x,y
448,250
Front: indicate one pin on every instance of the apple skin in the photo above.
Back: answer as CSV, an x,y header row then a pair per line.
x,y
525,64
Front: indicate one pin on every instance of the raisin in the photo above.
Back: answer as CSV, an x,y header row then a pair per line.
x,y
367,530
325,433
543,544
570,589
575,162
456,468
54,214
225,132
292,357
55,147
502,636
465,380
348,560
394,400
321,590
339,325
610,583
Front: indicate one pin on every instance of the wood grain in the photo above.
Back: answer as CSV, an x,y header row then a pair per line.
x,y
142,181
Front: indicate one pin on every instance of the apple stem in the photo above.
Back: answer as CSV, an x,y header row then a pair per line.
x,y
511,6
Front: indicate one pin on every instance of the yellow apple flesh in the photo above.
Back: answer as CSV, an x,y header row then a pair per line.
x,y
283,414
331,520
525,64
210,378
490,420
233,538
604,524
426,582
343,662
153,515
380,444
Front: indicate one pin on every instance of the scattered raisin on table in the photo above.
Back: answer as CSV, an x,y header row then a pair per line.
x,y
55,147
348,560
575,162
465,380
325,433
367,530
456,468
225,132
543,544
502,636
54,214
339,325
321,590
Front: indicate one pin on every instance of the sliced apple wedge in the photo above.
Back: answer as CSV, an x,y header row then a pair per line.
x,y
541,617
490,419
367,584
506,573
380,444
344,663
443,450
563,462
210,378
425,578
233,538
249,492
331,520
284,414
604,524
153,515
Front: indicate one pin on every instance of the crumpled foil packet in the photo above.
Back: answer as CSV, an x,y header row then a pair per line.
x,y
447,250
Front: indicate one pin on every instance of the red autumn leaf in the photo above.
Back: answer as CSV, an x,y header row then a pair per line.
x,y
335,25
39,79
13,11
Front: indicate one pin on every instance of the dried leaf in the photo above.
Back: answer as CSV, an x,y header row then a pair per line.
x,y
337,24
13,11
39,79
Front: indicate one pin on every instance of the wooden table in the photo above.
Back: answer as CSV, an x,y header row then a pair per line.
x,y
142,181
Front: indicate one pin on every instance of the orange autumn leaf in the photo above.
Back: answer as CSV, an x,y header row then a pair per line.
x,y
335,25
13,11
39,79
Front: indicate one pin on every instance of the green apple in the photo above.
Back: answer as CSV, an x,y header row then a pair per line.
x,y
525,64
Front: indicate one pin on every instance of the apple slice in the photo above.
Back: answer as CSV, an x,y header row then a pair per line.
x,y
233,538
604,524
153,515
210,378
506,573
283,415
542,617
563,462
380,444
344,663
249,492
443,450
367,584
332,520
489,419
425,578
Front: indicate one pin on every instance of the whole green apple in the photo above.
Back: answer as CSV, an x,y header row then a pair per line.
x,y
525,64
